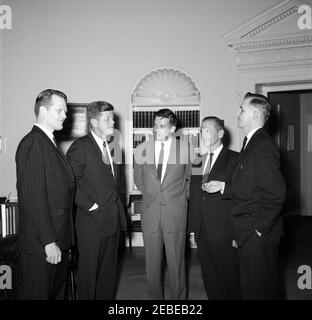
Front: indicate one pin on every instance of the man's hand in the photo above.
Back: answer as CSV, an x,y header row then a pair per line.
x,y
53,252
214,186
94,207
258,233
192,240
234,244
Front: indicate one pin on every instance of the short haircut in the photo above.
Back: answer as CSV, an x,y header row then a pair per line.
x,y
44,98
218,122
96,107
261,103
168,114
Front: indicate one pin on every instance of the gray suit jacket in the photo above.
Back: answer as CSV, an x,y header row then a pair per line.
x,y
164,204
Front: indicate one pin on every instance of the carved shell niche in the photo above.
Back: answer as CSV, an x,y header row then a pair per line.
x,y
165,86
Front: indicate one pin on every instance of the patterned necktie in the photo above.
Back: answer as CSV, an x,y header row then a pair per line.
x,y
244,144
105,157
208,168
160,161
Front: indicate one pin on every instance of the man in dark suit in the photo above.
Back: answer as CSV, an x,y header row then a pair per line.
x,y
100,213
210,220
162,169
45,186
257,189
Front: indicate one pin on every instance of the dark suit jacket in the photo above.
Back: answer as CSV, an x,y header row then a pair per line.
x,y
45,186
209,213
257,188
95,184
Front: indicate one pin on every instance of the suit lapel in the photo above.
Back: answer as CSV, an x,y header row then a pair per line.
x,y
150,156
104,166
66,163
174,157
96,148
58,152
244,152
218,162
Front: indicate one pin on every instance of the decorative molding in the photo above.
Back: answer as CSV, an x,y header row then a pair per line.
x,y
272,43
275,57
271,22
270,50
165,86
251,36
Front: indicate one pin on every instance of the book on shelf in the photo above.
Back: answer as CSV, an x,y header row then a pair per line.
x,y
135,217
9,219
138,138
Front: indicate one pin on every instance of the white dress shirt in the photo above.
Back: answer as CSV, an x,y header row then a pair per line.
x,y
47,132
100,143
214,158
167,145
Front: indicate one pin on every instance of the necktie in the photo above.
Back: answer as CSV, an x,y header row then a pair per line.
x,y
244,144
160,161
105,157
207,170
54,140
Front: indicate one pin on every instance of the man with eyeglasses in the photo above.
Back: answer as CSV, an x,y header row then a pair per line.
x,y
210,223
162,169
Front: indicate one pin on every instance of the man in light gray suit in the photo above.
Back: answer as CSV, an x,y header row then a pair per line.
x,y
162,169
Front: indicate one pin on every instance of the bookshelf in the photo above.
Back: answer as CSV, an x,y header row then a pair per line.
x,y
188,127
9,219
8,248
162,88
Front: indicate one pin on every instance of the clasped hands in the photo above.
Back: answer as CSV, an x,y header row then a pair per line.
x,y
213,186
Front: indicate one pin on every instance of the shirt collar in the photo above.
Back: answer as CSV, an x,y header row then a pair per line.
x,y
46,131
217,151
98,140
166,143
251,133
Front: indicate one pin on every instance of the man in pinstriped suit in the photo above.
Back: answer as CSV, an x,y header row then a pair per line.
x,y
45,186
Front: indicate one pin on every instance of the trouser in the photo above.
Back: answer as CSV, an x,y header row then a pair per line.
x,y
98,255
258,261
174,243
42,280
220,269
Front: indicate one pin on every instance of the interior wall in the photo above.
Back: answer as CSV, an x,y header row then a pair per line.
x,y
306,153
99,49
1,115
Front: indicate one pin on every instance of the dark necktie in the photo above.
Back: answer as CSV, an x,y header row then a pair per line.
x,y
105,157
160,161
244,144
208,168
